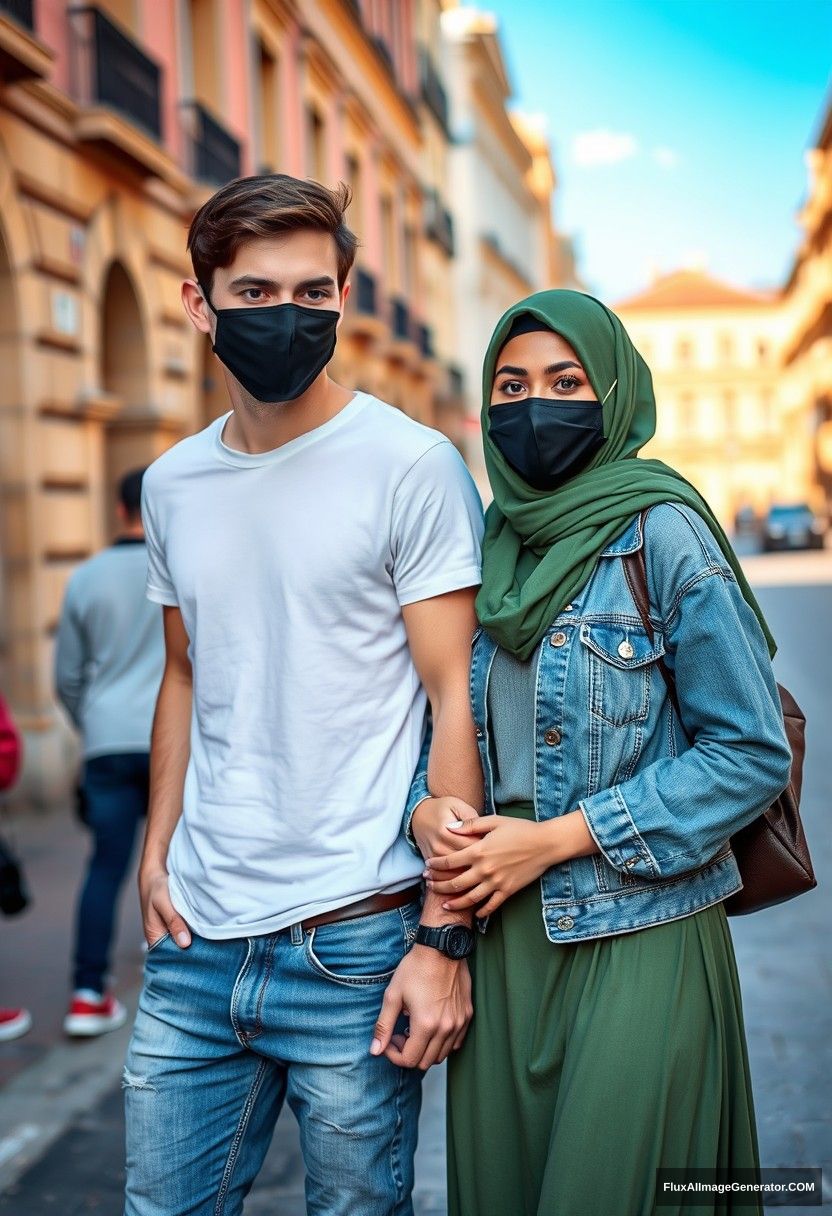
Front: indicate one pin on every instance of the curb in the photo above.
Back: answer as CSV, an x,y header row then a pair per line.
x,y
40,1103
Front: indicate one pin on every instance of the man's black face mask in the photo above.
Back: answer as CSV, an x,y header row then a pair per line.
x,y
275,352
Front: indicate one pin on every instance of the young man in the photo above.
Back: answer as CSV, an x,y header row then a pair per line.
x,y
317,554
108,664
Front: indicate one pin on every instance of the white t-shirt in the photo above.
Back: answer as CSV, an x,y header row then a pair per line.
x,y
290,569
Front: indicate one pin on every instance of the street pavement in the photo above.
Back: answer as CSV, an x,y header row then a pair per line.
x,y
61,1130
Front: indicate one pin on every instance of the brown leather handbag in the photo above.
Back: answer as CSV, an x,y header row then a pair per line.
x,y
771,851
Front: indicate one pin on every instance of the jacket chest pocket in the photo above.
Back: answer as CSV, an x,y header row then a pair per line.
x,y
620,659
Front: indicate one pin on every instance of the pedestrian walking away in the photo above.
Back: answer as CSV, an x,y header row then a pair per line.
x,y
605,985
108,665
316,554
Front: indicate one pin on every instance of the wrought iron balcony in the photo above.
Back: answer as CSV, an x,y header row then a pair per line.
x,y
366,302
401,321
439,224
456,380
213,152
21,11
22,55
424,340
110,70
433,91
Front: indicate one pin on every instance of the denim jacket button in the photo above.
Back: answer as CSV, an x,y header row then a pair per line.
x,y
478,732
558,639
630,862
552,737
626,650
569,607
564,922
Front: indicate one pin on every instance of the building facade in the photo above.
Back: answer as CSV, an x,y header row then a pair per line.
x,y
116,121
715,355
807,353
502,182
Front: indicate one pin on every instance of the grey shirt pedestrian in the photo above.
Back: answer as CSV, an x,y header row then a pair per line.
x,y
110,651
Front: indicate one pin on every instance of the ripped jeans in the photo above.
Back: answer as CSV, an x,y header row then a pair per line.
x,y
227,1029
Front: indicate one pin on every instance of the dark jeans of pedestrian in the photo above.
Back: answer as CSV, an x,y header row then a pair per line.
x,y
116,790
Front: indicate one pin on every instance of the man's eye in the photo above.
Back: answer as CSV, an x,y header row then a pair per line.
x,y
316,294
254,294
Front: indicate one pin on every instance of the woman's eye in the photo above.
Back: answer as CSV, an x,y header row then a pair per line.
x,y
512,388
568,383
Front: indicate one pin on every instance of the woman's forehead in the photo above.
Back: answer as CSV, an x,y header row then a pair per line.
x,y
538,348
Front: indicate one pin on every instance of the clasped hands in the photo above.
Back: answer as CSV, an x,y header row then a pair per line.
x,y
479,861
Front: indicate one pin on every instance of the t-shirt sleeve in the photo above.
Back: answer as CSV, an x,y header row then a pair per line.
x,y
160,588
437,526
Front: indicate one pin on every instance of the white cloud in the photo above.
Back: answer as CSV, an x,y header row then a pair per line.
x,y
602,147
667,158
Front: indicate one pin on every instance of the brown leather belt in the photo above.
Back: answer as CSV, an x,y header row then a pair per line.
x,y
365,907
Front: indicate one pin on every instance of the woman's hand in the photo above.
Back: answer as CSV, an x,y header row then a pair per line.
x,y
509,854
429,825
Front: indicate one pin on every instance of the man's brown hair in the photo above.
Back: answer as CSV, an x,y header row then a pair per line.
x,y
252,207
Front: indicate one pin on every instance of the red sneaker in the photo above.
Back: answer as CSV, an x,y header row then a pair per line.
x,y
14,1023
92,1013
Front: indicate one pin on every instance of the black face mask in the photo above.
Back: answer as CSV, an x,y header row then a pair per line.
x,y
277,351
545,441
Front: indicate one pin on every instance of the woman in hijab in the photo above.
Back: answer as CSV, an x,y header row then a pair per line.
x,y
608,1037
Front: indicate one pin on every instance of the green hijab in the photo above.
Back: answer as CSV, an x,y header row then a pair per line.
x,y
541,547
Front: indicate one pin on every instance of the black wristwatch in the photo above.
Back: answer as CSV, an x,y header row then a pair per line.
x,y
454,941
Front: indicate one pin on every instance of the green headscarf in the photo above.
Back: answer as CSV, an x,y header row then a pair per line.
x,y
541,547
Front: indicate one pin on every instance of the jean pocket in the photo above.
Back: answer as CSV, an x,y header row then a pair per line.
x,y
366,950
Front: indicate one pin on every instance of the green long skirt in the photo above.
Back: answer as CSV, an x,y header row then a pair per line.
x,y
587,1066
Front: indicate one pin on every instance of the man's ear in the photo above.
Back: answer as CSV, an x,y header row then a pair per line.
x,y
195,306
345,292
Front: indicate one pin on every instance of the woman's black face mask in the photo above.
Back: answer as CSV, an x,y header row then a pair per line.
x,y
275,352
546,442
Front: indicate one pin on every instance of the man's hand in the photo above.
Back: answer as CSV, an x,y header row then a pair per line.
x,y
158,913
435,992
430,825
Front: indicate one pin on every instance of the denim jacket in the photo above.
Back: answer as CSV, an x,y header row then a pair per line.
x,y
660,808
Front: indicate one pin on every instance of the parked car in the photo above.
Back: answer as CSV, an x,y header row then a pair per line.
x,y
746,522
792,526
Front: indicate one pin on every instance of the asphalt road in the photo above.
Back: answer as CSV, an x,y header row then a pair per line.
x,y
783,959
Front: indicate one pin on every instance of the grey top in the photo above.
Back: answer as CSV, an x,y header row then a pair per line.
x,y
511,699
110,651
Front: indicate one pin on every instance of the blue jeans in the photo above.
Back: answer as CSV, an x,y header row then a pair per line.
x,y
115,793
227,1029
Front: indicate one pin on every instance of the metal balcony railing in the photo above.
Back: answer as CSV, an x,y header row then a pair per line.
x,y
424,340
21,11
109,69
366,302
433,91
439,224
401,321
213,153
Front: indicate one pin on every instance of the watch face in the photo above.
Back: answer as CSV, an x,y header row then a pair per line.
x,y
459,942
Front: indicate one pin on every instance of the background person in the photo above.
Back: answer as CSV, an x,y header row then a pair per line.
x,y
108,665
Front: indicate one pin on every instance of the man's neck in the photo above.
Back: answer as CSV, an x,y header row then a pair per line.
x,y
257,426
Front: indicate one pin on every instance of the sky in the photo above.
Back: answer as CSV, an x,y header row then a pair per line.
x,y
678,127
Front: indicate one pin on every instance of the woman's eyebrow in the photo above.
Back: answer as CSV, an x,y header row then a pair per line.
x,y
511,371
559,367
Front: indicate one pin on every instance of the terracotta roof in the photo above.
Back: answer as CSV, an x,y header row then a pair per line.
x,y
692,289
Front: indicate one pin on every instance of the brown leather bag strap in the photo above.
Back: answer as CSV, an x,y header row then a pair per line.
x,y
635,572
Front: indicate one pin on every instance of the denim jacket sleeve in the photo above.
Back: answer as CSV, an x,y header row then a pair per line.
x,y
674,814
418,787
